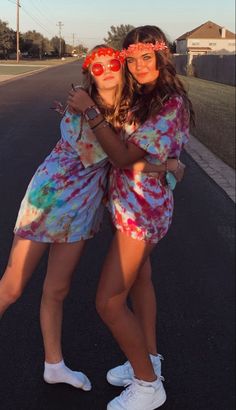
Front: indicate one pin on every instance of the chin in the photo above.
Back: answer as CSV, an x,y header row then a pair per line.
x,y
143,81
148,83
110,86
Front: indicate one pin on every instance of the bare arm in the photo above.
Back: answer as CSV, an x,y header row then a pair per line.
x,y
121,155
145,166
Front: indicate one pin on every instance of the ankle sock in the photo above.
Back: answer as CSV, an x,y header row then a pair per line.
x,y
60,373
144,383
154,357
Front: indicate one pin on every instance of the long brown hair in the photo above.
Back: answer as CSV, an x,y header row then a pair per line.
x,y
144,103
111,113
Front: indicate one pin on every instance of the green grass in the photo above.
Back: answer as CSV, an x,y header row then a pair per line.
x,y
48,62
15,70
10,67
214,106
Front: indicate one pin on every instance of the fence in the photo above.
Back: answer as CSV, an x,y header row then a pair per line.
x,y
218,68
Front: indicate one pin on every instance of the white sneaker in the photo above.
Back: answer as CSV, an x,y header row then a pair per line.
x,y
140,395
60,373
124,374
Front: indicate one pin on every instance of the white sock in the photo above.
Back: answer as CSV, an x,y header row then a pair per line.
x,y
144,383
156,362
156,356
60,373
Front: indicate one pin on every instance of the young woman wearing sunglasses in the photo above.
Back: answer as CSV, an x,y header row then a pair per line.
x,y
141,206
61,209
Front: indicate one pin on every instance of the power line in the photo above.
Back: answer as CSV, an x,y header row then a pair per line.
x,y
40,12
60,24
36,21
32,17
45,6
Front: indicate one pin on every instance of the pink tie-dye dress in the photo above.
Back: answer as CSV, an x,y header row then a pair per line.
x,y
141,204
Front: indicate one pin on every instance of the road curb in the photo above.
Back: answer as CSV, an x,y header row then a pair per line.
x,y
218,170
18,76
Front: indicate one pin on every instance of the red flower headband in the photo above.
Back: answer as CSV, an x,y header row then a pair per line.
x,y
136,47
104,51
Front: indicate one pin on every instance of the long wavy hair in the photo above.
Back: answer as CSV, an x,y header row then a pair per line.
x,y
142,101
110,113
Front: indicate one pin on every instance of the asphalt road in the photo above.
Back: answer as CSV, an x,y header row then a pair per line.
x,y
193,272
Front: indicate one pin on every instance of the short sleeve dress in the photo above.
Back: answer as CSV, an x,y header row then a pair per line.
x,y
63,202
141,204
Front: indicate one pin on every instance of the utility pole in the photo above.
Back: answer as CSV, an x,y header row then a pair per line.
x,y
17,32
60,27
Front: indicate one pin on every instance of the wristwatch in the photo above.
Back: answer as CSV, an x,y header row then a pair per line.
x,y
91,113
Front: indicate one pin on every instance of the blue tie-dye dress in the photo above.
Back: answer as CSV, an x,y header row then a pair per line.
x,y
63,202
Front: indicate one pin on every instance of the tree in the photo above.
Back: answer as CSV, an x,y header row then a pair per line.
x,y
79,49
34,43
7,39
58,46
117,34
172,47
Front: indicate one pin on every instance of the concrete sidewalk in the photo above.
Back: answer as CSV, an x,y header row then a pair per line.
x,y
11,72
4,78
218,170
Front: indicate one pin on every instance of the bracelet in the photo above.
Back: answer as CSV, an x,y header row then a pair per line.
x,y
106,124
92,128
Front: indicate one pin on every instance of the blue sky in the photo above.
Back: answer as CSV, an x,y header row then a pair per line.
x,y
88,21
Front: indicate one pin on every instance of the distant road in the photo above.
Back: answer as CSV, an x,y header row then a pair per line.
x,y
193,271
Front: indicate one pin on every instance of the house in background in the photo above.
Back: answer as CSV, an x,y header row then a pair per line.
x,y
209,38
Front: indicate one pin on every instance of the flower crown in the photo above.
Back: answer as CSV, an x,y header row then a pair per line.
x,y
136,47
103,51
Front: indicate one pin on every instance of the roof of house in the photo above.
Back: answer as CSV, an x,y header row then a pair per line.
x,y
199,48
207,30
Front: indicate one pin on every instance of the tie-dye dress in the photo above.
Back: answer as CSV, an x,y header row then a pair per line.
x,y
63,202
141,204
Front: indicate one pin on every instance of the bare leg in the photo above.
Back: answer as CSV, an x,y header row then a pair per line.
x,y
144,305
23,259
61,264
120,271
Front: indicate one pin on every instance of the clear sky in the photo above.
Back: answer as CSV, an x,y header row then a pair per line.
x,y
88,21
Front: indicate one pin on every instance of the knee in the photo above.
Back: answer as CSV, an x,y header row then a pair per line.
x,y
10,293
55,293
108,309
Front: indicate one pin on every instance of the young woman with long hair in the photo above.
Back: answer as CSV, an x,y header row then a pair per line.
x,y
141,206
61,209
